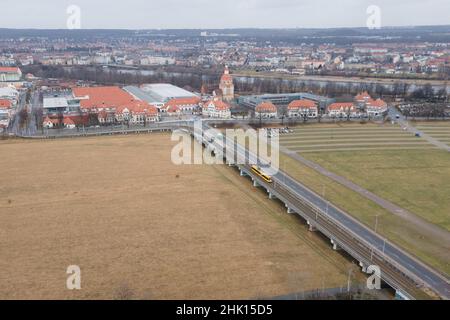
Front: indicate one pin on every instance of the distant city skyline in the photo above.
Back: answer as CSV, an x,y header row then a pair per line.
x,y
214,14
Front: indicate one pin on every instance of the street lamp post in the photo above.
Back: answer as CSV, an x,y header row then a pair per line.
x,y
350,271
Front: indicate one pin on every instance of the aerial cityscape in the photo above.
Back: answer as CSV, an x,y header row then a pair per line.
x,y
248,159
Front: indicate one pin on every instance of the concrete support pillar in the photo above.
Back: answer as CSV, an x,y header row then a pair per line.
x,y
311,227
255,183
289,210
400,295
363,267
271,196
242,173
335,245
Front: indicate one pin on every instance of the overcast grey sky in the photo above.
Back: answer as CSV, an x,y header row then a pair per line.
x,y
152,14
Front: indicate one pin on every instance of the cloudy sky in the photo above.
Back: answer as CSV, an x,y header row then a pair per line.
x,y
153,14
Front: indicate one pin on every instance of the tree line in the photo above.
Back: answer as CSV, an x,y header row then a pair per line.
x,y
194,80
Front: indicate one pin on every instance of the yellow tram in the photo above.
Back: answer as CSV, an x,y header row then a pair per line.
x,y
261,174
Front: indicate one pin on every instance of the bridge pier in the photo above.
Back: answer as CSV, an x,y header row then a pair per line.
x,y
255,183
400,295
311,227
271,196
363,267
289,210
335,245
242,173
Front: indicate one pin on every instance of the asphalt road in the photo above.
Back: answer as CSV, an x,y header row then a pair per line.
x,y
434,279
34,113
14,126
394,113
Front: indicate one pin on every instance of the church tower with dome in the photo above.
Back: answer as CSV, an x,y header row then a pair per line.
x,y
226,85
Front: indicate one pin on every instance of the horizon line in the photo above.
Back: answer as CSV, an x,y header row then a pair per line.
x,y
227,28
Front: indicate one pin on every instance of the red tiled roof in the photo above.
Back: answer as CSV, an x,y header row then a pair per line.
x,y
363,96
219,105
68,120
266,107
47,120
10,69
304,103
339,105
99,97
183,101
142,107
173,109
111,97
377,103
5,104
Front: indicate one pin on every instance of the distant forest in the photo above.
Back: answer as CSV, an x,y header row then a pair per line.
x,y
340,36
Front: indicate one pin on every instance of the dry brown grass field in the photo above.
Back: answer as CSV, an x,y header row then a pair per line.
x,y
140,227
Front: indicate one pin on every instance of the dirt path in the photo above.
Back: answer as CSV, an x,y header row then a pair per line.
x,y
409,127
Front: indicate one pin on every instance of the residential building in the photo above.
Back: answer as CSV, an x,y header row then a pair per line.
x,y
266,110
342,110
113,104
10,93
10,74
172,111
69,123
5,112
184,105
49,123
302,108
106,116
362,98
282,99
371,107
216,108
376,108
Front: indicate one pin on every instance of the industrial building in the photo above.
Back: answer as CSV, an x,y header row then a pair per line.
x,y
142,95
165,92
160,94
60,103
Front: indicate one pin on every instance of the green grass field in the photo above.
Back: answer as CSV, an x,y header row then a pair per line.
x,y
387,161
352,137
439,130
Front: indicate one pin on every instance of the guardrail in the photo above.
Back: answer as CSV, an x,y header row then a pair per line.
x,y
314,220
